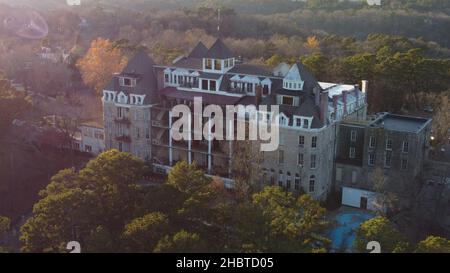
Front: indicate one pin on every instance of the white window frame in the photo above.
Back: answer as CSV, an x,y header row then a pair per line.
x,y
352,153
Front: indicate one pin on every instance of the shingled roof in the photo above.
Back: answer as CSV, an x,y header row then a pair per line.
x,y
141,68
199,51
219,51
308,78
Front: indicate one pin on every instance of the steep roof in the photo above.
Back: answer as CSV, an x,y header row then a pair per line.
x,y
310,81
251,69
219,51
141,68
199,51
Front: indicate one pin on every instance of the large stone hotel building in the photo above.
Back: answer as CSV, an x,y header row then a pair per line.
x,y
138,102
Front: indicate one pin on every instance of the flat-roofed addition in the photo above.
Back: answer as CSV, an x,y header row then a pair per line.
x,y
401,123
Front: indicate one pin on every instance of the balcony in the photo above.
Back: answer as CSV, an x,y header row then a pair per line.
x,y
123,120
159,124
189,84
124,138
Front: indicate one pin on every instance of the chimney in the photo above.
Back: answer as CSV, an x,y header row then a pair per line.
x,y
316,91
357,94
344,101
365,85
324,106
335,102
258,94
364,89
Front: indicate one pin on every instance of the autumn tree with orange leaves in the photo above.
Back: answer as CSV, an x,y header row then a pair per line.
x,y
100,62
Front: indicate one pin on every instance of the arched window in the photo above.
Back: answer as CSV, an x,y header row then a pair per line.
x,y
288,181
297,182
312,182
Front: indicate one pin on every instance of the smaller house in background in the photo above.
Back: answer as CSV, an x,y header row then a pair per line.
x,y
91,138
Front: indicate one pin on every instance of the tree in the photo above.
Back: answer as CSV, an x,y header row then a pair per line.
x,y
195,188
12,104
383,231
317,64
246,168
386,198
180,242
441,121
143,233
99,64
98,200
312,44
273,221
433,244
4,225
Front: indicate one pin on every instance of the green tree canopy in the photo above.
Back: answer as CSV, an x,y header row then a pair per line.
x,y
383,231
433,244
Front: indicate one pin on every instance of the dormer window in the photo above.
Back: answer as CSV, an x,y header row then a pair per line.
x,y
127,82
218,65
293,79
209,64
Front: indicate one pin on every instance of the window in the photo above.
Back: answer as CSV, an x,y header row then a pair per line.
x,y
280,178
300,159
305,123
405,147
298,122
388,159
120,147
166,78
249,88
217,65
404,164
353,135
147,133
371,159
208,64
87,148
212,85
283,121
339,174
119,112
297,182
388,144
301,140
287,100
204,84
280,156
372,142
352,153
127,82
288,181
227,64
312,182
138,133
354,176
265,89
313,161
314,142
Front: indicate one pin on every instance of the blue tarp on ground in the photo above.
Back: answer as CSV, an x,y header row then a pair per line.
x,y
343,235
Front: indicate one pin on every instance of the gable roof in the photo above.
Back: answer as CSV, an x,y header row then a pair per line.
x,y
219,51
199,51
308,78
141,68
